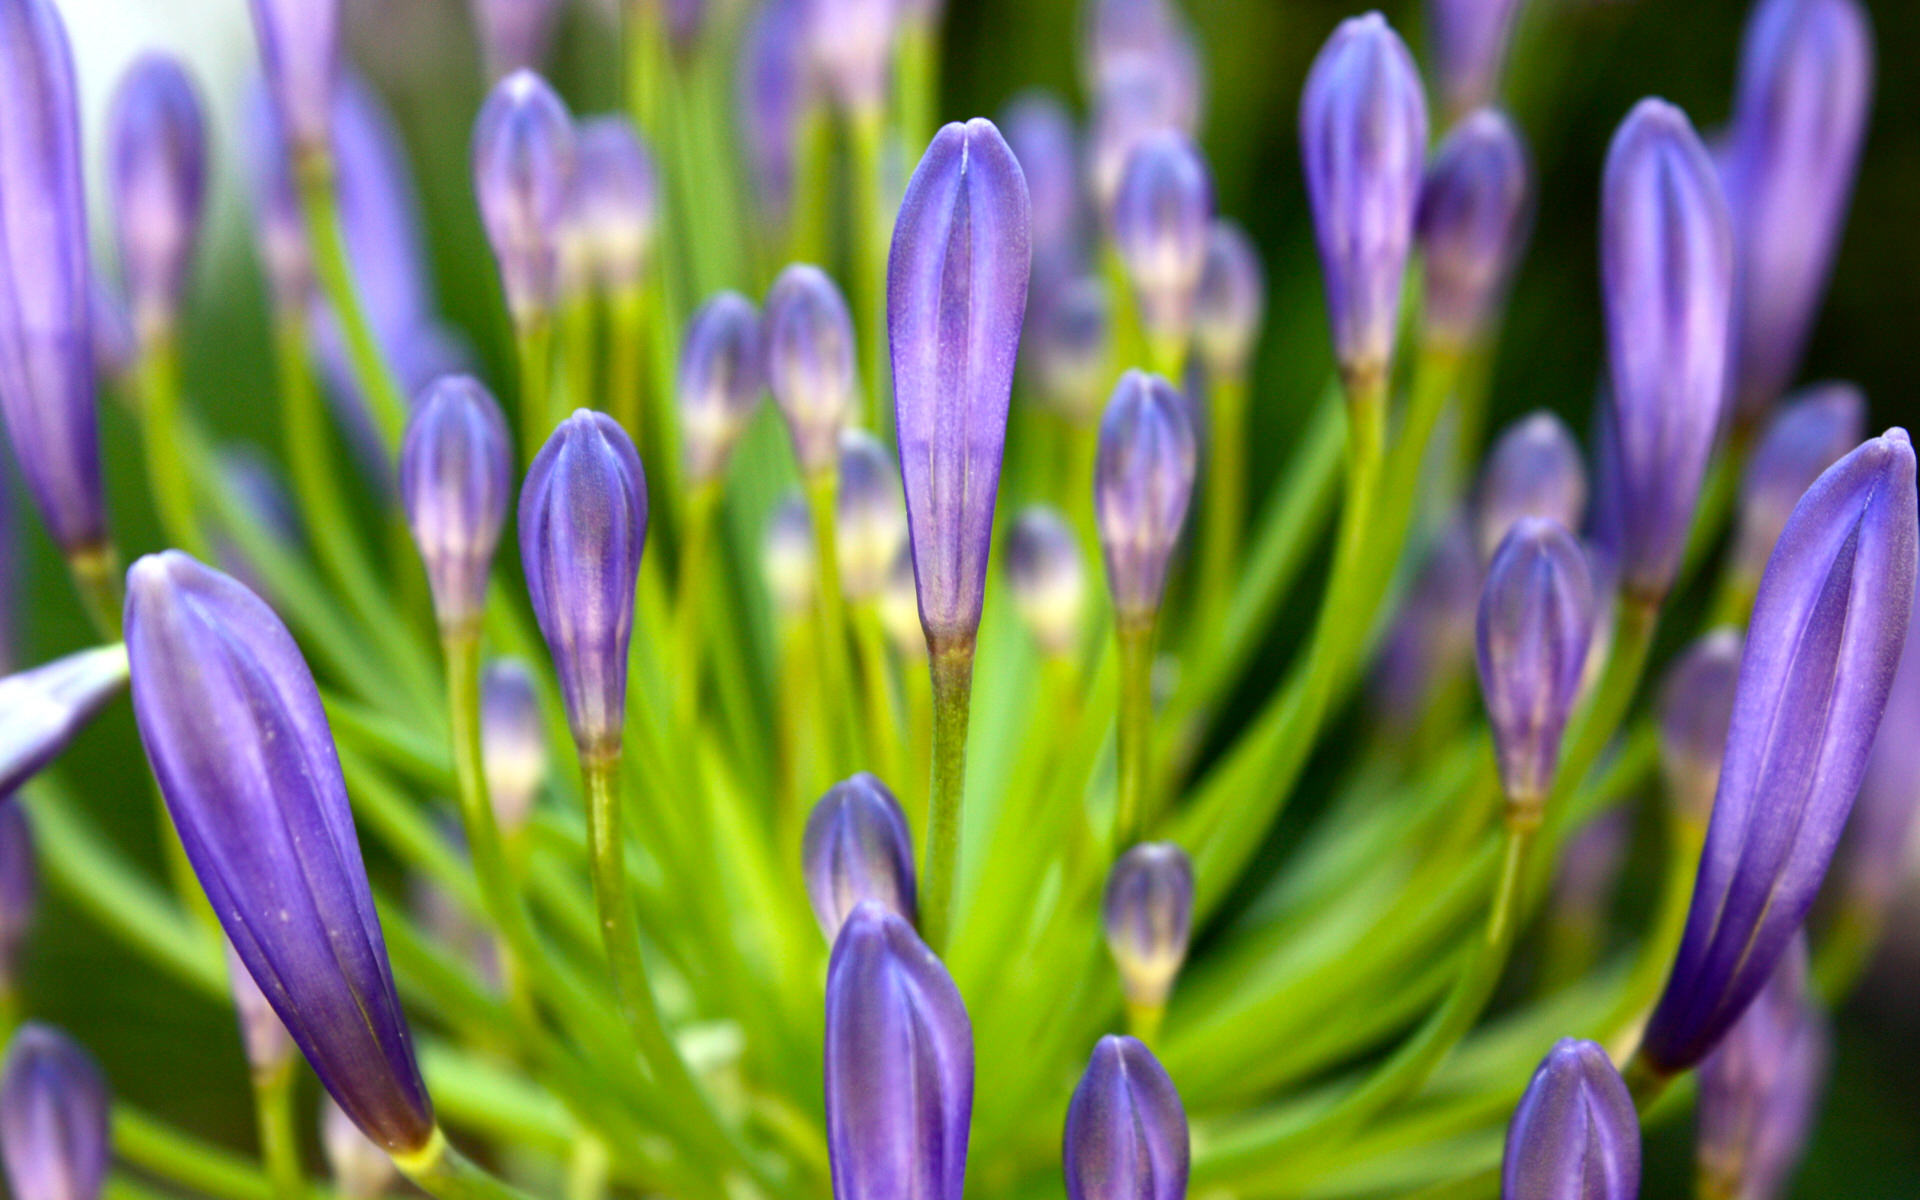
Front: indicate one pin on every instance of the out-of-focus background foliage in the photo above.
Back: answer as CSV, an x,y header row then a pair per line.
x,y
1577,67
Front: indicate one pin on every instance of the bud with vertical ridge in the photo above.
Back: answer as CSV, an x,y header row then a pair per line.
x,y
42,709
1695,710
1472,224
157,176
1873,858
54,1113
1230,302
1048,579
1143,482
456,476
871,515
856,848
776,88
1126,1135
1575,1135
523,170
1534,470
1760,1089
513,742
300,57
1147,912
615,210
808,336
1803,439
719,383
1161,217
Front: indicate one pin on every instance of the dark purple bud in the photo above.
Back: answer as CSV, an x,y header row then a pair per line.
x,y
1162,216
157,176
1363,135
851,44
1760,1088
1432,637
1805,438
54,1111
720,382
19,890
523,170
1148,915
268,1046
300,57
1874,854
857,848
871,515
1535,621
1575,1135
513,741
1827,630
787,558
775,87
514,34
809,354
1048,579
46,280
1126,1133
41,709
956,294
1534,470
456,477
1799,117
899,1064
616,205
1474,210
1696,708
1231,302
1142,483
1040,131
1470,48
1666,265
583,526
360,1169
1070,346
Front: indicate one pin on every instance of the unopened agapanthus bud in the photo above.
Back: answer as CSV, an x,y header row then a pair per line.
x,y
1799,116
851,43
1148,915
523,169
300,57
1695,709
54,1112
1804,438
157,175
1135,106
360,1169
1575,1135
513,741
1142,483
1469,42
1536,618
234,730
41,709
1666,265
899,608
808,336
1873,858
1040,131
1760,1089
1126,1135
514,34
899,1064
1123,39
871,514
956,293
719,383
1472,223
1363,136
857,848
787,558
1161,217
1534,470
19,890
615,211
775,89
1070,346
1828,626
1048,579
1231,302
456,476
268,1046
1432,637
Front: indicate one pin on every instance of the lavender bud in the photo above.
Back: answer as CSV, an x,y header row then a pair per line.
x,y
234,730
1666,258
1470,48
1760,1089
1140,54
616,205
1805,438
157,176
1363,135
280,230
19,890
300,56
1695,710
456,474
1142,482
899,1064
851,43
719,383
1474,210
46,280
1048,579
42,709
899,608
1828,626
1162,215
1534,470
871,517
809,357
1432,637
360,1169
787,557
1126,1135
513,741
1070,345
956,292
54,1111
583,526
523,168
775,88
1536,618
1148,915
1134,107
857,848
1231,301
1874,854
514,34
1040,131
1575,1135
268,1046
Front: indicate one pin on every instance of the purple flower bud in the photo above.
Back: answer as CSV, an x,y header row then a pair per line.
x,y
1474,210
1070,347
280,230
234,730
956,292
46,280
300,56
787,558
583,526
41,709
360,1169
857,848
1533,470
157,176
514,34
1126,1135
809,359
1432,637
1575,1135
19,890
774,89
513,741
1048,579
1131,40
1695,710
1231,302
1827,630
1148,915
1799,117
1142,482
1805,438
1666,259
1162,216
1363,135
1040,131
54,1110
1535,621
523,169
1470,48
1760,1088
899,1064
1135,106
268,1046
851,44
1874,854
456,475
616,205
871,515
720,382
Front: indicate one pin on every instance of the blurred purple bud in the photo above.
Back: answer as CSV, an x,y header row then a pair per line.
x,y
899,609
1048,579
1534,470
1760,1089
774,90
616,206
42,709
1070,347
1802,440
523,171
261,494
851,46
719,383
1040,131
157,176
268,1046
300,57
1230,303
280,229
513,741
360,1169
54,1114
1133,107
1469,43
1474,212
1695,711
1162,216
1431,639
514,34
1874,854
1126,1136
456,478
1589,872
1575,1135
1127,41
19,890
857,848
808,337
1142,484
1147,912
787,558
871,515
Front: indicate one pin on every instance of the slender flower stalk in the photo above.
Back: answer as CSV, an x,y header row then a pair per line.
x,y
42,709
1575,1135
1126,1135
53,1117
613,220
270,1060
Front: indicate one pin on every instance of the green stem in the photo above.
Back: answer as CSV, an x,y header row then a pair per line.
x,y
1226,494
279,1142
534,341
884,743
870,237
952,668
689,605
327,238
626,365
96,576
831,613
159,1149
158,374
1135,732
1643,987
445,1173
916,87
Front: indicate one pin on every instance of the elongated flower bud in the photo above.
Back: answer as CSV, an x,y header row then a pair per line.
x,y
1803,439
456,475
1143,481
1534,470
513,741
1148,914
19,890
1760,1089
1161,218
899,1064
41,709
1138,103
1470,48
1126,1133
1230,303
719,383
1070,346
1666,265
857,848
1873,857
1536,619
53,1117
514,34
268,1046
616,205
523,168
1695,710
1828,626
1040,131
809,356
360,1169
300,57
583,526
46,280
157,176
775,88
871,515
1048,579
234,730
788,558
1363,136
1474,210
1799,116
1575,1135
1432,637
956,292
851,42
